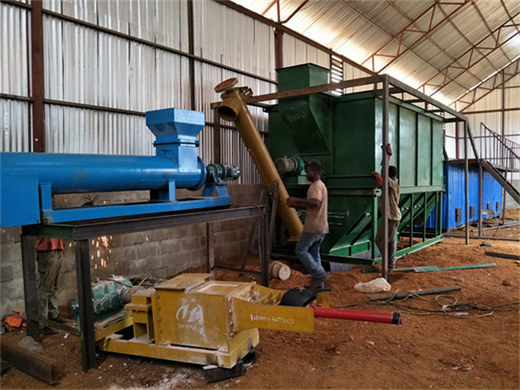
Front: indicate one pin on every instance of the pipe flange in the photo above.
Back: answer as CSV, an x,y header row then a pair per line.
x,y
226,84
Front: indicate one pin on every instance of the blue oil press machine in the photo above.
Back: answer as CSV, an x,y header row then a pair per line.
x,y
28,181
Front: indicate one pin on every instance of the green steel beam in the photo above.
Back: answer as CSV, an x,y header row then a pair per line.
x,y
416,247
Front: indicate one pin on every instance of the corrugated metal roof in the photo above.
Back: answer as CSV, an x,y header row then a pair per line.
x,y
420,39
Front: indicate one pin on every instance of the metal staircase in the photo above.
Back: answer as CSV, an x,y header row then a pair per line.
x,y
500,156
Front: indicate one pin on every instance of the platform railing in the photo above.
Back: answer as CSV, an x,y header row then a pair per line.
x,y
498,150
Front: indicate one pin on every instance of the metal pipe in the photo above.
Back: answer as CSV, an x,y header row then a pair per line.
x,y
233,108
356,315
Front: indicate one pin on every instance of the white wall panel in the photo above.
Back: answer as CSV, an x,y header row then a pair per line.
x,y
171,77
13,50
78,130
14,122
297,52
53,41
226,36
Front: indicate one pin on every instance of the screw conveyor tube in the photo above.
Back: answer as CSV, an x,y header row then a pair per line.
x,y
233,108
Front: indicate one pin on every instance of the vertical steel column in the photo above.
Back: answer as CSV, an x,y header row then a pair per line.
x,y
375,210
466,179
438,217
216,137
384,255
263,246
29,285
272,219
480,178
86,312
424,215
278,36
412,205
504,149
37,77
457,139
440,212
504,197
191,50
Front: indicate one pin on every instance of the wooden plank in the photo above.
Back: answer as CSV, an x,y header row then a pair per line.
x,y
29,362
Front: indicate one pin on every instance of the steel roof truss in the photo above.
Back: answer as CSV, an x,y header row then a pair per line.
x,y
488,86
411,29
471,57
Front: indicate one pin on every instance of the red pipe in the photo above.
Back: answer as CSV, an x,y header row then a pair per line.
x,y
355,315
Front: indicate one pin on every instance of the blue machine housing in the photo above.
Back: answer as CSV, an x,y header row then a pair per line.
x,y
29,180
453,204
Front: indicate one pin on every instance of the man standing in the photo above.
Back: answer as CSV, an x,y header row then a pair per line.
x,y
315,227
394,212
48,257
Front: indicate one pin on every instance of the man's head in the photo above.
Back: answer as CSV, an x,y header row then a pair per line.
x,y
392,172
313,170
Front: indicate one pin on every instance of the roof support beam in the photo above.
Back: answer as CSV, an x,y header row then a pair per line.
x,y
295,11
394,47
486,46
269,7
502,110
488,86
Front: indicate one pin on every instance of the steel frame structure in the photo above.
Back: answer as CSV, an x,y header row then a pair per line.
x,y
469,58
494,82
411,30
389,86
82,232
471,61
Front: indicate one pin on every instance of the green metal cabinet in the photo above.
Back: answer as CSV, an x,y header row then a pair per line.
x,y
344,133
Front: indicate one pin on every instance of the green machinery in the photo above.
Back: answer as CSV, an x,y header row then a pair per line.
x,y
344,133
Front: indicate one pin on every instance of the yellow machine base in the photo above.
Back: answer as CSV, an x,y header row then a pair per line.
x,y
115,343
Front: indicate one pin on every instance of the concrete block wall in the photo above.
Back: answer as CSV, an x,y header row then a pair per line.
x,y
158,253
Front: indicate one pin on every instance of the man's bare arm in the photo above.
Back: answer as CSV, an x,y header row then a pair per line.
x,y
301,203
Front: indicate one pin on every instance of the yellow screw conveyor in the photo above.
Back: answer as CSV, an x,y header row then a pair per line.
x,y
194,319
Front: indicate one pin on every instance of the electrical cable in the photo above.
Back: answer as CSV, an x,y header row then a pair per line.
x,y
449,306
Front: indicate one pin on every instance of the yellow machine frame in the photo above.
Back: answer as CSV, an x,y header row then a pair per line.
x,y
194,319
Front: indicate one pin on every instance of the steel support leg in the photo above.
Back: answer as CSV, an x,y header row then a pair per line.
x,y
29,286
86,312
264,249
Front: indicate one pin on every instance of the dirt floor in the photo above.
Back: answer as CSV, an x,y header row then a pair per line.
x,y
468,339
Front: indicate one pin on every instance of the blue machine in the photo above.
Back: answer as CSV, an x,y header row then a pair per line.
x,y
28,181
454,203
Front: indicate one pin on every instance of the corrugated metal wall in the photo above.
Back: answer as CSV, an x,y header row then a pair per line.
x,y
495,101
107,62
14,79
99,82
